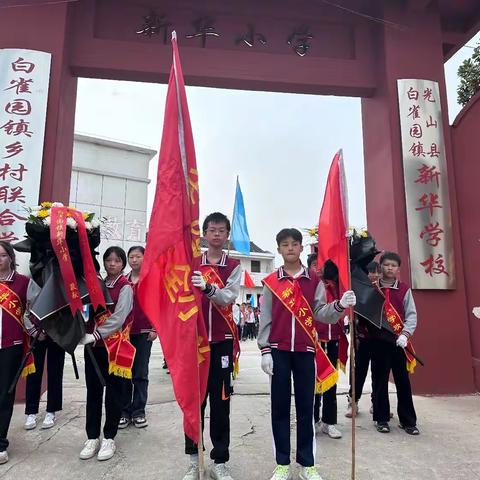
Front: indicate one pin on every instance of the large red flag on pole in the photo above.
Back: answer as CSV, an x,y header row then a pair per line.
x,y
333,245
333,222
172,252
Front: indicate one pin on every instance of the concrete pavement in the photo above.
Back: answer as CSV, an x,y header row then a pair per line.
x,y
448,447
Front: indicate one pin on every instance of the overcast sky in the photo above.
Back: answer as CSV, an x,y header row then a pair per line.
x,y
280,145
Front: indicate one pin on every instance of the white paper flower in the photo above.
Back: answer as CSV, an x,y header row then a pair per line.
x,y
46,221
57,204
88,226
95,222
36,208
71,223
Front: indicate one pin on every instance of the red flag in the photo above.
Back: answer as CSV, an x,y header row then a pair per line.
x,y
248,281
333,222
172,252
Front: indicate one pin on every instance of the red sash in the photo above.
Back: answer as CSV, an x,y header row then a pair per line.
x,y
395,321
342,341
211,276
12,304
290,295
121,353
58,232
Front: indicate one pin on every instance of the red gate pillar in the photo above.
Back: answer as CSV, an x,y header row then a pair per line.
x,y
46,28
414,51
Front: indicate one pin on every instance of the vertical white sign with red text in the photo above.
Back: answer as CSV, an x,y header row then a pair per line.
x,y
24,79
427,197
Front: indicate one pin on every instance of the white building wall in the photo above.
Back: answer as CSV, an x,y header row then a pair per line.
x,y
266,267
111,179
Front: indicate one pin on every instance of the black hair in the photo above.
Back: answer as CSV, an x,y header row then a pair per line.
x,y
330,271
118,251
391,256
136,247
289,232
312,257
216,217
10,252
373,267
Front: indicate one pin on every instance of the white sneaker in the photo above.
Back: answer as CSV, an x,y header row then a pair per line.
x,y
349,412
281,472
3,457
90,448
107,449
30,422
49,420
193,472
331,430
309,473
220,471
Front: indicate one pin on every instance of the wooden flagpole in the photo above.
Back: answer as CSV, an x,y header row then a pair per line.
x,y
352,364
201,456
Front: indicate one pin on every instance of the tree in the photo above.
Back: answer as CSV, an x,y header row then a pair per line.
x,y
469,73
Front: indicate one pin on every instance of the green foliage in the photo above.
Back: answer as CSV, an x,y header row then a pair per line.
x,y
469,73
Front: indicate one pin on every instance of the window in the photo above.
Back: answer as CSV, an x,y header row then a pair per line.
x,y
255,268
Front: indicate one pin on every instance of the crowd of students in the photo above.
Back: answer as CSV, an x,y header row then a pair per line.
x,y
247,319
301,313
124,400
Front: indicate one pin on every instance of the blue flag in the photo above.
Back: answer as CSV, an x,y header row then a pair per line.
x,y
252,300
239,235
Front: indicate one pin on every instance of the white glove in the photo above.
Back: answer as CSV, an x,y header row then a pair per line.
x,y
267,363
402,341
86,339
198,280
348,299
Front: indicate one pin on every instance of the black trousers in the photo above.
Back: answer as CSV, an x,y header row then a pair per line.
x,y
302,366
250,330
136,391
363,355
10,360
385,357
329,408
55,363
114,396
218,392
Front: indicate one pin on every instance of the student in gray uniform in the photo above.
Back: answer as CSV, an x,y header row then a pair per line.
x,y
388,351
288,349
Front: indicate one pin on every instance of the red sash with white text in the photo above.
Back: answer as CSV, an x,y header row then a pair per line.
x,y
211,276
11,303
121,353
290,295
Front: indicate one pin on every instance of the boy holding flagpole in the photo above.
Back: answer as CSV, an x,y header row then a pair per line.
x,y
293,300
219,281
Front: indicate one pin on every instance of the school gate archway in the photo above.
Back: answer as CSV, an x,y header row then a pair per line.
x,y
358,54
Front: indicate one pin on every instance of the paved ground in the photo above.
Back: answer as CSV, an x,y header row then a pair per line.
x,y
448,448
